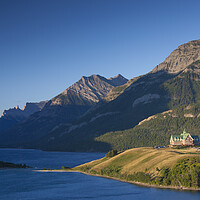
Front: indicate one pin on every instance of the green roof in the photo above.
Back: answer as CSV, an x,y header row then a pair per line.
x,y
177,137
184,135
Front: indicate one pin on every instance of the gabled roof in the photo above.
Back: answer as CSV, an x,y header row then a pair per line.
x,y
174,137
183,136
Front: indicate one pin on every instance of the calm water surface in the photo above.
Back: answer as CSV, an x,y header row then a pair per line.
x,y
26,184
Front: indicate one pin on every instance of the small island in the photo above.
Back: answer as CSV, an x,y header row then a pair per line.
x,y
5,165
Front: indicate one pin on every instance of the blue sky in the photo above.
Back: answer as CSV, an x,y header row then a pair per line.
x,y
47,45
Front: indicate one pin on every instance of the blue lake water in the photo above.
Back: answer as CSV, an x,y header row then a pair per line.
x,y
26,184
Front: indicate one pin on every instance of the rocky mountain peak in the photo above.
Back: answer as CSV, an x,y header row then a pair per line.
x,y
17,107
12,113
180,58
118,80
88,90
15,115
118,76
19,114
30,108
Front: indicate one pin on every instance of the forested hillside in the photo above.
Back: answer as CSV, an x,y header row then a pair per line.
x,y
183,113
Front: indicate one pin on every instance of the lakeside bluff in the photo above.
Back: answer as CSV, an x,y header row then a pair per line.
x,y
184,139
164,168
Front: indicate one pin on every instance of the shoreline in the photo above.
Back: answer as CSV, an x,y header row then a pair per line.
x,y
121,180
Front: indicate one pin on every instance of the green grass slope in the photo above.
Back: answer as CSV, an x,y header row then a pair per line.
x,y
167,167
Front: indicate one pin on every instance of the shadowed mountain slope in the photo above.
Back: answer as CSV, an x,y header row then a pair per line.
x,y
14,115
64,108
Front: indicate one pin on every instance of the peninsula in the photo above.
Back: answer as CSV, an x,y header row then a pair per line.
x,y
163,168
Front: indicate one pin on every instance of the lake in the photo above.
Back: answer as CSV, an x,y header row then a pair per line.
x,y
26,184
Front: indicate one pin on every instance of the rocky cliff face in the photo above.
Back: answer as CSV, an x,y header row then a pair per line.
x,y
87,91
30,108
83,94
180,58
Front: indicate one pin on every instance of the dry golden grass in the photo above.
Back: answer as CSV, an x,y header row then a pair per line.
x,y
145,159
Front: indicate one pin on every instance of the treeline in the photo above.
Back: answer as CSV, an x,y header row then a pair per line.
x,y
184,174
156,131
12,165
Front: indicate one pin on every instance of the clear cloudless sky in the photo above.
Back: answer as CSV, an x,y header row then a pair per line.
x,y
47,45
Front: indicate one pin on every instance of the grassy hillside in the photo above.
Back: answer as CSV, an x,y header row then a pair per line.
x,y
144,159
150,166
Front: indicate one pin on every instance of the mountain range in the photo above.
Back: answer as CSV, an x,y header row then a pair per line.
x,y
99,114
15,115
64,108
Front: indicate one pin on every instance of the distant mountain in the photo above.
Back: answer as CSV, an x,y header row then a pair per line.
x,y
117,80
14,115
172,85
64,108
87,91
